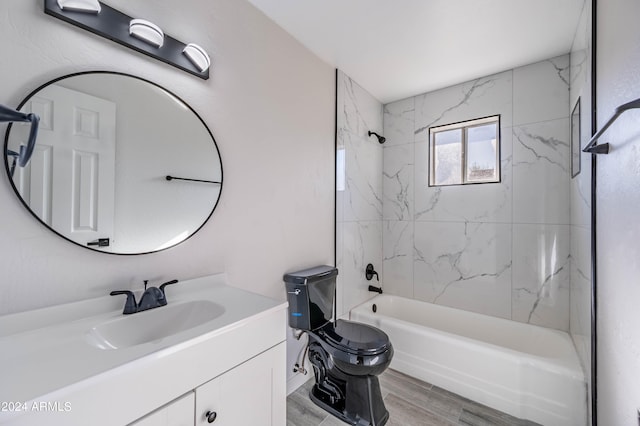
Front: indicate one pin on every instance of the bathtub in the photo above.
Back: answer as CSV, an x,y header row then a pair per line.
x,y
524,370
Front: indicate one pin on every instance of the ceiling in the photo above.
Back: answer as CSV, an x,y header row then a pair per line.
x,y
400,48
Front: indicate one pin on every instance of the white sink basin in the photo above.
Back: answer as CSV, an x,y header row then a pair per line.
x,y
83,353
152,325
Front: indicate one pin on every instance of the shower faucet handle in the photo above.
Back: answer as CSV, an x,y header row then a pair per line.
x,y
369,272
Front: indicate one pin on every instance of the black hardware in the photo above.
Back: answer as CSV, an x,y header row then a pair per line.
x,y
192,180
114,25
381,139
153,297
603,148
595,149
370,272
14,155
130,306
166,284
8,115
100,242
211,416
375,289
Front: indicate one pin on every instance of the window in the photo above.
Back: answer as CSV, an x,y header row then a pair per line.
x,y
465,153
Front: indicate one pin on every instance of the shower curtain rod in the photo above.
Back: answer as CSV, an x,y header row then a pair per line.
x,y
591,147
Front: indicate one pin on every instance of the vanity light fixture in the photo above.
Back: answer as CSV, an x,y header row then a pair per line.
x,y
147,32
137,34
198,56
87,6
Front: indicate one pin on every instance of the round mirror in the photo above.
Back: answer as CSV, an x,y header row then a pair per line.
x,y
121,165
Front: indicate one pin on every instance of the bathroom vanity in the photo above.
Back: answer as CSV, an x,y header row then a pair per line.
x,y
213,355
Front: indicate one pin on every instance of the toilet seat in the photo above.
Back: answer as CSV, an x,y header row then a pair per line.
x,y
355,338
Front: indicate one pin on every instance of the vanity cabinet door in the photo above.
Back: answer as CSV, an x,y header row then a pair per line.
x,y
176,413
251,394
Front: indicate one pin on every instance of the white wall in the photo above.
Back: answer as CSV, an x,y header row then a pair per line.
x,y
270,105
617,208
499,249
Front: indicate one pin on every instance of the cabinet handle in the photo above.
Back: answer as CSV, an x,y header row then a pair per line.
x,y
211,416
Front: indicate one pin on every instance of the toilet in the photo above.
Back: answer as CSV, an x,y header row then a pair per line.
x,y
346,356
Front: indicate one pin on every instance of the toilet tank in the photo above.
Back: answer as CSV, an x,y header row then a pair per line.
x,y
311,293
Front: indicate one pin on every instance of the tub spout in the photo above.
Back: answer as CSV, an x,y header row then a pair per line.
x,y
376,289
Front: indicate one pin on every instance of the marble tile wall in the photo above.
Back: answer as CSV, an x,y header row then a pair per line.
x,y
359,205
500,249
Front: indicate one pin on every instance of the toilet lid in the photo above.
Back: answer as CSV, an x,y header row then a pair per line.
x,y
355,338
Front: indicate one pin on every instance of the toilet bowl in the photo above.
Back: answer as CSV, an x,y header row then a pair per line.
x,y
346,356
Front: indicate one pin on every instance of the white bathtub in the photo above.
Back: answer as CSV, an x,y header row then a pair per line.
x,y
527,371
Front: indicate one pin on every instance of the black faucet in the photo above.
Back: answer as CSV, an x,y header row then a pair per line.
x,y
375,289
152,297
369,272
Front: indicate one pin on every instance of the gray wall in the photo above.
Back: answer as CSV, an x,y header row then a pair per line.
x,y
269,103
498,249
618,205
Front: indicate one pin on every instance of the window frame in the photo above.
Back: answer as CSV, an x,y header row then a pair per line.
x,y
464,126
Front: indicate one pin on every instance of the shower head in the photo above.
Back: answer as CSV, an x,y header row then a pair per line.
x,y
381,139
8,115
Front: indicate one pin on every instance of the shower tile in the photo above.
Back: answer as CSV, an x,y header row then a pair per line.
x,y
579,62
541,91
580,310
397,261
363,181
340,176
580,188
541,273
359,112
541,173
478,98
397,182
464,265
362,242
340,283
398,122
489,202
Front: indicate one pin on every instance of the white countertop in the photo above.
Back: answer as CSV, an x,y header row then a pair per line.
x,y
45,355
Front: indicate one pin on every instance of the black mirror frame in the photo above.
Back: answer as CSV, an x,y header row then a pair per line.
x,y
55,80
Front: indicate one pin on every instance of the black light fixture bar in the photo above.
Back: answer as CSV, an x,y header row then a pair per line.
x,y
114,25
